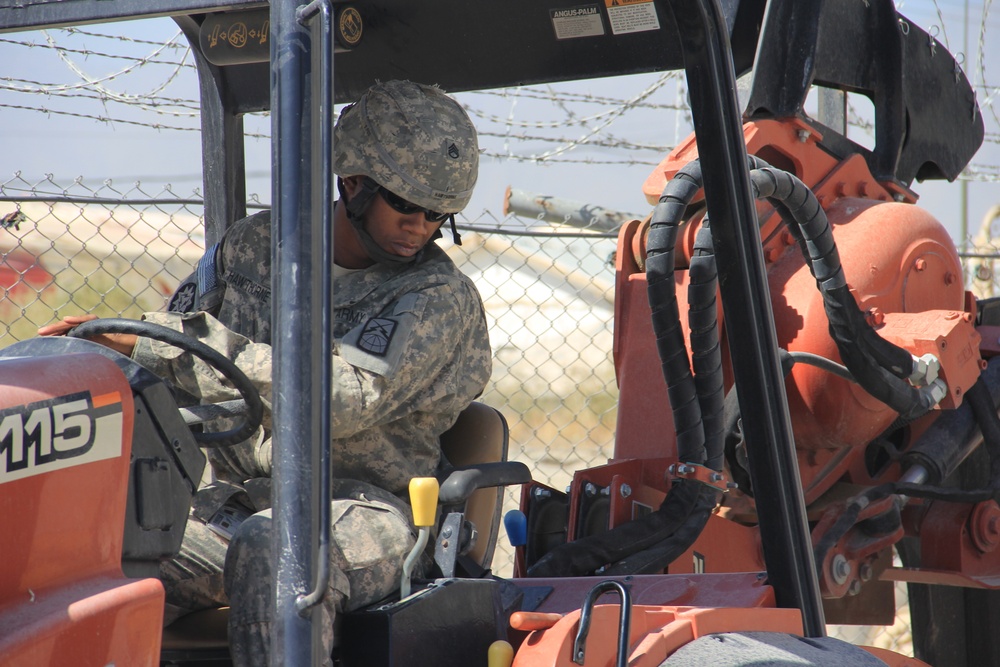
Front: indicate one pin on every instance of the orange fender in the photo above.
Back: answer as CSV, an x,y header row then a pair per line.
x,y
655,633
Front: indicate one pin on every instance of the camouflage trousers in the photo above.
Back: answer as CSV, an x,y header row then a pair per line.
x,y
370,537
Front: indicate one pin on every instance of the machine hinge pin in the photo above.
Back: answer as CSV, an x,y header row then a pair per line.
x,y
840,569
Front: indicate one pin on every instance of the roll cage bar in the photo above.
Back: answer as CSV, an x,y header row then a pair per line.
x,y
712,40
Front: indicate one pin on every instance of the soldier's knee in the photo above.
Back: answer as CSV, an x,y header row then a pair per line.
x,y
248,560
254,533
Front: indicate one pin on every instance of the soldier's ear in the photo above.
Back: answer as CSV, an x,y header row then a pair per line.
x,y
352,184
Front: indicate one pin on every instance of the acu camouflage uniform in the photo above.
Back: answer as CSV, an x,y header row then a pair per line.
x,y
411,351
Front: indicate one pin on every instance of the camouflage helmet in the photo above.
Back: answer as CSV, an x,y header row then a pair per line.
x,y
413,140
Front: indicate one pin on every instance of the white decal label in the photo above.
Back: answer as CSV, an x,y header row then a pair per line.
x,y
59,433
628,16
581,21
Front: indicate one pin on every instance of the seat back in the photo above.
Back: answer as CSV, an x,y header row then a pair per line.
x,y
479,436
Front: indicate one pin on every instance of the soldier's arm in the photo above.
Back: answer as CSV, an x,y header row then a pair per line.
x,y
426,352
193,375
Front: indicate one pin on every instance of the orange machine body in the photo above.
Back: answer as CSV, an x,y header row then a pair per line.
x,y
65,443
904,272
667,612
898,260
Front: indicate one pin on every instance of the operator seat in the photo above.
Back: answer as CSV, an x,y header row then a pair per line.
x,y
480,435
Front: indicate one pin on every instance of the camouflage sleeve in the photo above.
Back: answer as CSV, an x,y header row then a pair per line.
x,y
193,375
429,351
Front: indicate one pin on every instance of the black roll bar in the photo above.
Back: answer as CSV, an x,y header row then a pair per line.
x,y
323,128
746,302
302,255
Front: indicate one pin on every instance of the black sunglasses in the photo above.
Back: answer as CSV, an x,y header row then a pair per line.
x,y
406,208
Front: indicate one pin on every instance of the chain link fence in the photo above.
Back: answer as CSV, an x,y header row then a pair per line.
x,y
73,247
549,296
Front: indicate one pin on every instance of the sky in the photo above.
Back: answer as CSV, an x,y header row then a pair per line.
x,y
57,131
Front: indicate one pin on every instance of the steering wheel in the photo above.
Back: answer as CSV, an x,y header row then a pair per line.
x,y
248,392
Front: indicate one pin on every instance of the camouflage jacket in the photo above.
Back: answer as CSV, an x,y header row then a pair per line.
x,y
411,351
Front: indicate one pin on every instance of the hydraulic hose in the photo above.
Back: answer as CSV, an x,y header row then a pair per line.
x,y
657,557
681,388
985,410
706,352
822,363
649,544
878,365
731,429
957,433
807,222
585,556
706,361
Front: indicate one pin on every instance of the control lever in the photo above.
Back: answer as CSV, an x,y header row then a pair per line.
x,y
423,503
501,654
516,525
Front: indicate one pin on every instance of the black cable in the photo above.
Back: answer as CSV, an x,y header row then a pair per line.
x,y
586,555
653,559
878,365
669,333
985,411
828,365
706,351
652,541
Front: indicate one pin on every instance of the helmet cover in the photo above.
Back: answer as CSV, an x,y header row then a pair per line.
x,y
413,140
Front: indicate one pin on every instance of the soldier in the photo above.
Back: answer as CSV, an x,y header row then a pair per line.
x,y
411,351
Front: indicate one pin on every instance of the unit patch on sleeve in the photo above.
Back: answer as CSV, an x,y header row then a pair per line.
x,y
376,335
379,344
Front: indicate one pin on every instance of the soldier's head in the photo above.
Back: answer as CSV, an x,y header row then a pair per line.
x,y
405,149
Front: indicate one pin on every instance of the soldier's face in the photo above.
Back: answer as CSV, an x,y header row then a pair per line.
x,y
399,233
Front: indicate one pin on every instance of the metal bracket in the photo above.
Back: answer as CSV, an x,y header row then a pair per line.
x,y
699,473
449,543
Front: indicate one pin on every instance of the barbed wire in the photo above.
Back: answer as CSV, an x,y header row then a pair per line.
x,y
32,87
119,37
533,92
126,98
987,103
536,128
560,99
100,118
101,54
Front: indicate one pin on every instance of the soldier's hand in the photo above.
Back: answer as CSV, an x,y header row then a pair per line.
x,y
67,324
123,343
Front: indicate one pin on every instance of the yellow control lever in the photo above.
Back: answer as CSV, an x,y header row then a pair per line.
x,y
501,654
423,500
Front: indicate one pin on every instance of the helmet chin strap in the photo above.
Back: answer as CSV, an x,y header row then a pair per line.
x,y
356,207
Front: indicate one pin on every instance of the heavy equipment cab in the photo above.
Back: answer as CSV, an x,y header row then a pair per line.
x,y
774,444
